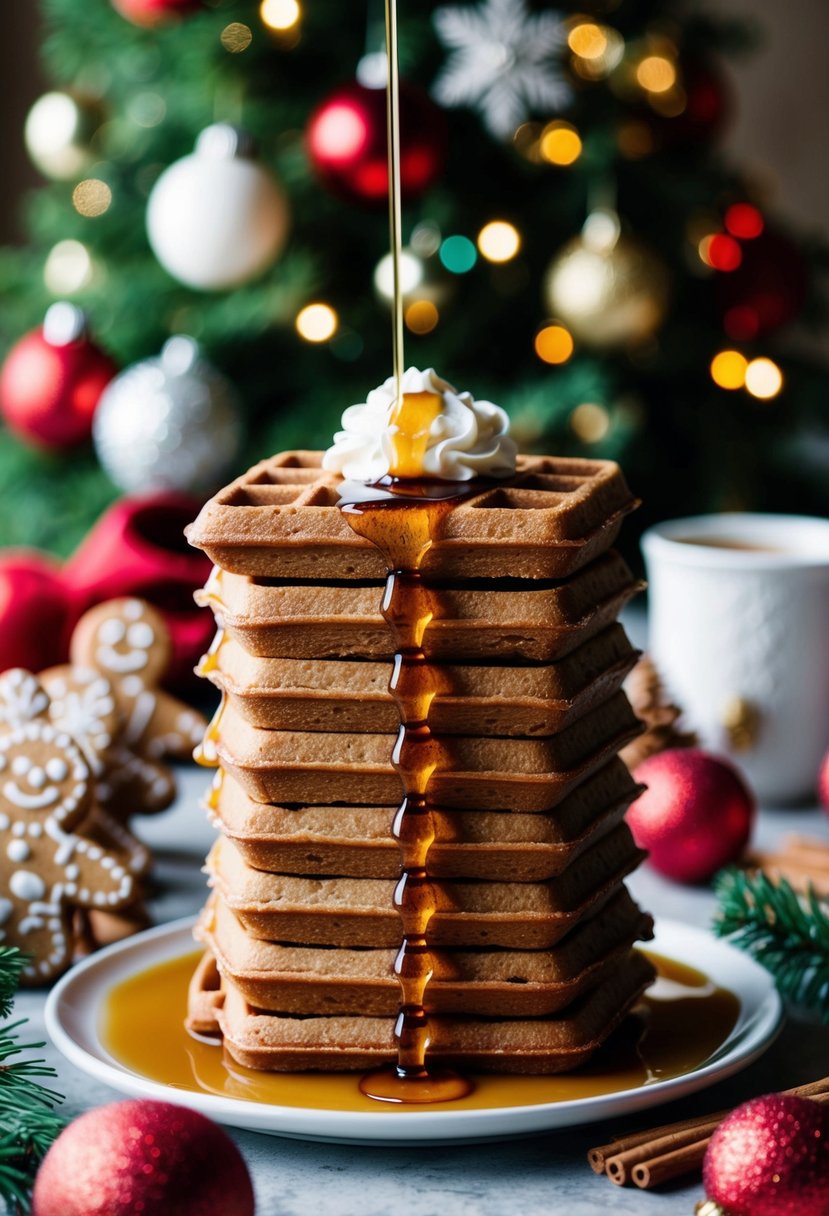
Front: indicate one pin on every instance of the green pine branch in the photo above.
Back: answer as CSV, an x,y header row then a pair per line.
x,y
28,1122
786,932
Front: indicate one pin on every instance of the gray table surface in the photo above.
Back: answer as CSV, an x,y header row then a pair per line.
x,y
533,1177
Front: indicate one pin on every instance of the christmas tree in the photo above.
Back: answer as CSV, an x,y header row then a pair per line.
x,y
577,249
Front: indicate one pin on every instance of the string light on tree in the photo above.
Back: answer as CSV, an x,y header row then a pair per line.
x,y
421,316
596,49
590,422
68,268
554,344
280,15
317,322
560,143
499,241
728,369
721,252
744,221
91,197
458,254
763,379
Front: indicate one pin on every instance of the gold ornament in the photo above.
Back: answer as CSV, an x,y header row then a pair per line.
x,y
59,133
608,289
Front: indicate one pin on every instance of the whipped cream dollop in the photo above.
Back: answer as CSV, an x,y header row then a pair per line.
x,y
466,439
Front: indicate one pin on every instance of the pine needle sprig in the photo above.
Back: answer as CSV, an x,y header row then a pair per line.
x,y
28,1122
788,933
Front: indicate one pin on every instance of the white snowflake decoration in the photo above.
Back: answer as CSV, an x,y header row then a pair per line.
x,y
501,62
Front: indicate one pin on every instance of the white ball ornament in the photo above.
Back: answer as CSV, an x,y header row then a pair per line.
x,y
217,218
168,423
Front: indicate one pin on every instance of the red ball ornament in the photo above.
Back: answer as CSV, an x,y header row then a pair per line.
x,y
141,1156
770,1157
766,291
346,142
52,381
35,611
694,817
823,782
154,12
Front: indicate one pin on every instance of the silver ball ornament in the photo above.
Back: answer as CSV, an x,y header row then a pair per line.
x,y
168,423
608,289
217,218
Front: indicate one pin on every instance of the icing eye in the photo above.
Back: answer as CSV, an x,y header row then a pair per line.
x,y
140,635
57,770
112,631
37,777
21,766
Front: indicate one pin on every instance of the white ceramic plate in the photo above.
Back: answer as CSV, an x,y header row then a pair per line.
x,y
73,1014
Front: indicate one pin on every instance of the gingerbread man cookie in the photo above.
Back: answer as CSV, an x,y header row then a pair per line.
x,y
47,869
127,641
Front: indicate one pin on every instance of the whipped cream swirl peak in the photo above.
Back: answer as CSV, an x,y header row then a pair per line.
x,y
463,438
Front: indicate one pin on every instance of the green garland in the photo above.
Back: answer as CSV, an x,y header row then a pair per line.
x,y
786,932
28,1123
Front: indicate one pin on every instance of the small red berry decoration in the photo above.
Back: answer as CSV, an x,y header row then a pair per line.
x,y
770,1157
695,816
141,1156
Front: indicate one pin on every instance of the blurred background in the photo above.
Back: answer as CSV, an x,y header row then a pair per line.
x,y
614,220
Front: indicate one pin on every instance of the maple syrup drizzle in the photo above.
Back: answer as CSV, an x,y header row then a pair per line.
x,y
403,521
205,753
676,1028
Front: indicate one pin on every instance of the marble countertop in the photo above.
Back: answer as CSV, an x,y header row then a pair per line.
x,y
536,1176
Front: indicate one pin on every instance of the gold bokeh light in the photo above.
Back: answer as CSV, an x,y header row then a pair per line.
x,y
764,379
590,422
317,322
728,369
91,197
421,316
656,74
499,241
554,344
587,40
279,14
560,143
236,37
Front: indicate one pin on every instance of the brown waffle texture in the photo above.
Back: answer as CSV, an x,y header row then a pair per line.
x,y
532,930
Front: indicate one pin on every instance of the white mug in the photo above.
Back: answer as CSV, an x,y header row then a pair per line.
x,y
739,632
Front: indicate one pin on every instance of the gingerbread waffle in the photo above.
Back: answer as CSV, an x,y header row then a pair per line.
x,y
304,767
356,841
511,620
348,1044
281,519
360,911
480,983
306,695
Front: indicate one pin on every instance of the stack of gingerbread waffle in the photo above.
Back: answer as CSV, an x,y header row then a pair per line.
x,y
532,931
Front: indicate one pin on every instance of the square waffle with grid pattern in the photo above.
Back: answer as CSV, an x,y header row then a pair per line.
x,y
281,519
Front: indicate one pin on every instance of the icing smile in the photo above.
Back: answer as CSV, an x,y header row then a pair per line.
x,y
30,802
113,660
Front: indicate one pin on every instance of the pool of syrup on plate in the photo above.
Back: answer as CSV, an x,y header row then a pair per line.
x,y
679,1024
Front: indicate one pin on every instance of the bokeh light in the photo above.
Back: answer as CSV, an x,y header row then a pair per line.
x,y
499,241
744,221
560,143
421,316
590,422
279,14
764,379
721,252
317,322
68,268
554,344
91,197
236,37
656,74
728,369
458,254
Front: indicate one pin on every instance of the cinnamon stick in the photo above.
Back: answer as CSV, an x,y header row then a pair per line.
x,y
651,1157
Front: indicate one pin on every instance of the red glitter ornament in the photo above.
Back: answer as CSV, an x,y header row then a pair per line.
x,y
770,1157
694,817
346,141
52,381
35,611
154,12
143,1157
